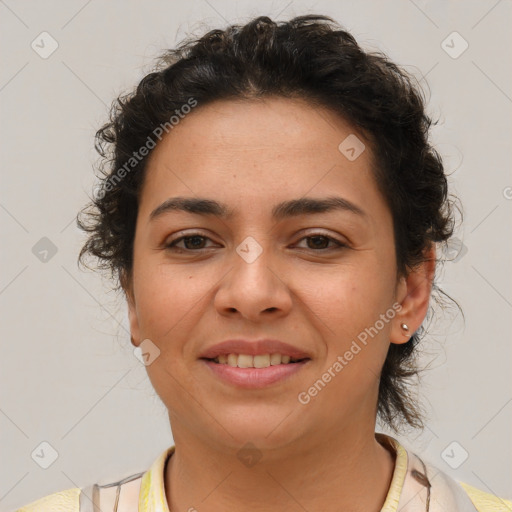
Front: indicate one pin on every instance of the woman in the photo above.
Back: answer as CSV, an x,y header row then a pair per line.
x,y
271,209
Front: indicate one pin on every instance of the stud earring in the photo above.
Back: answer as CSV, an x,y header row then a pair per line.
x,y
405,327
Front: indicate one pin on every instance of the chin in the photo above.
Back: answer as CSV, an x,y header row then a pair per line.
x,y
268,431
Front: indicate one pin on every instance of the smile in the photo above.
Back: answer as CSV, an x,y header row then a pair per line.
x,y
258,361
247,375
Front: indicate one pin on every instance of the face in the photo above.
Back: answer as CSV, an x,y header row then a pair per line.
x,y
315,280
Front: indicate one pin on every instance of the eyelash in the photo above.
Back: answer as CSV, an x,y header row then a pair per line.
x,y
171,246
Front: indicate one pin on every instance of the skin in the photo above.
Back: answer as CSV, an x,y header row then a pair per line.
x,y
252,155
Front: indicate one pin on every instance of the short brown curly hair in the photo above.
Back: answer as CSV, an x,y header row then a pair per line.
x,y
309,57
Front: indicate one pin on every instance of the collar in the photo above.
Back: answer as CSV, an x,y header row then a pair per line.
x,y
152,489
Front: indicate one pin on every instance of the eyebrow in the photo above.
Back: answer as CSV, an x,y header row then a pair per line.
x,y
286,209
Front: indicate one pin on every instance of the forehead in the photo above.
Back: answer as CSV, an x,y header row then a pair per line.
x,y
254,152
266,125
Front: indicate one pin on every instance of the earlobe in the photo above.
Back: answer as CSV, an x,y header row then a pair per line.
x,y
406,331
401,332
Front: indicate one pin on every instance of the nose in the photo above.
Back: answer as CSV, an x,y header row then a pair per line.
x,y
256,289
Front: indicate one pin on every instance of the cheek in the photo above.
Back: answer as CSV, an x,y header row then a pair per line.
x,y
168,299
169,302
349,302
356,345
348,292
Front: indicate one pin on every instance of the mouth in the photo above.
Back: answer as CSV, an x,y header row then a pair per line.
x,y
257,361
255,372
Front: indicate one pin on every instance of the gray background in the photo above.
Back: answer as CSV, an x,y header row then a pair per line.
x,y
69,376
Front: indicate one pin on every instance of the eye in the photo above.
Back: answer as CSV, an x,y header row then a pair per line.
x,y
320,242
193,242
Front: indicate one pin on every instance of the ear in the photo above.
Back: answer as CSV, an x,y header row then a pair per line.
x,y
127,285
413,294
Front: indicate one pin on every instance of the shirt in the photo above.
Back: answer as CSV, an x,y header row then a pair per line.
x,y
416,486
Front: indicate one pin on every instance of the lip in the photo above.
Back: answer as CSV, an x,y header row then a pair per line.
x,y
254,348
254,378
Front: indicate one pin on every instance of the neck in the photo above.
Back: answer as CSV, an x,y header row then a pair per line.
x,y
349,471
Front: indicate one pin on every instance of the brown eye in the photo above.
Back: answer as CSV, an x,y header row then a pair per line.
x,y
194,242
319,242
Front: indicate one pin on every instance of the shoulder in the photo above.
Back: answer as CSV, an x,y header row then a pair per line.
x,y
124,493
452,494
485,502
92,498
62,501
420,484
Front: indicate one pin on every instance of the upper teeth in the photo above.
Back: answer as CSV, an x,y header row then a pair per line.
x,y
247,361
